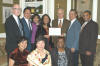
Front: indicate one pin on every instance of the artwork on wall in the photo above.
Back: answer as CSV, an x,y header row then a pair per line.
x,y
8,1
6,13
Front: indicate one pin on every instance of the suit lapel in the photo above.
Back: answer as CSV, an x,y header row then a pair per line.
x,y
15,24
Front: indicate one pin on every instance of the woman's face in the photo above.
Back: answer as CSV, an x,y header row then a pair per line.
x,y
36,19
22,45
45,19
40,45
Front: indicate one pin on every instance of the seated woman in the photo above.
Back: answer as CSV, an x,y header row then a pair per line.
x,y
19,55
43,30
60,55
39,56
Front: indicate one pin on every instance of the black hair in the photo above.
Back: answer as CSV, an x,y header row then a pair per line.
x,y
87,11
42,22
33,16
27,8
22,39
74,10
40,38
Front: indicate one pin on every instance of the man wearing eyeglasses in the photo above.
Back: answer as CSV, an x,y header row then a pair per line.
x,y
87,41
13,29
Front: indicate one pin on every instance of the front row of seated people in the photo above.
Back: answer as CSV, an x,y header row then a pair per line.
x,y
40,56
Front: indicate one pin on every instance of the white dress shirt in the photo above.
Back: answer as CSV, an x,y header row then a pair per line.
x,y
16,19
72,21
28,23
61,21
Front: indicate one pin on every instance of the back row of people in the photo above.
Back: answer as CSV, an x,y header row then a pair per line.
x,y
77,39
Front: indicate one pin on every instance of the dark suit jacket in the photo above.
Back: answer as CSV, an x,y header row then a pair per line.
x,y
27,33
12,34
65,25
64,28
54,57
88,37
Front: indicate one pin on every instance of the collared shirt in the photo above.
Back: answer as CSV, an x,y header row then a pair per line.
x,y
72,21
16,19
61,21
28,23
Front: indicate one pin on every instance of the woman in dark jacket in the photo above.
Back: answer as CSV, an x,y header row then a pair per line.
x,y
60,55
43,30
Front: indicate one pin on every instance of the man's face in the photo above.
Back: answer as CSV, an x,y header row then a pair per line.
x,y
16,10
27,14
86,16
60,14
72,15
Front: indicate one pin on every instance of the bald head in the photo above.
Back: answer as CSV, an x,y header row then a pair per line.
x,y
16,10
60,13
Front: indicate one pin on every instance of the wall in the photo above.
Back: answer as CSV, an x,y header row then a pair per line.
x,y
62,4
1,19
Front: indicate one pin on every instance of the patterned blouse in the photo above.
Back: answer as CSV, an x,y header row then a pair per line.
x,y
62,59
35,59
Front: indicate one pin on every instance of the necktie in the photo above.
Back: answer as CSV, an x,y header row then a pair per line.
x,y
20,27
29,25
60,24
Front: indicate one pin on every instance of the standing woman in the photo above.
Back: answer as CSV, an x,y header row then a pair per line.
x,y
35,23
44,31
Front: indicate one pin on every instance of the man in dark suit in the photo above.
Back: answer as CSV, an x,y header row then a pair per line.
x,y
87,41
13,29
27,26
60,22
72,38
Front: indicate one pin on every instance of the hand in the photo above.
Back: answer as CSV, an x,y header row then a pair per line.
x,y
72,50
46,36
88,53
62,35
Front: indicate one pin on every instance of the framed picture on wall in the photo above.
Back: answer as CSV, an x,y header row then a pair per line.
x,y
6,13
8,1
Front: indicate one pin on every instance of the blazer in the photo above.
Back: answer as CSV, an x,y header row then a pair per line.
x,y
54,57
65,25
12,34
64,28
27,33
88,37
72,38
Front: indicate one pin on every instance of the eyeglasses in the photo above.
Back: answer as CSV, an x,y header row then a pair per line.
x,y
17,9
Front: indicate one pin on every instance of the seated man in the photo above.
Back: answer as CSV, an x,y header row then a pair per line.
x,y
60,55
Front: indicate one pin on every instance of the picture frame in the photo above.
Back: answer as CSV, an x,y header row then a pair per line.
x,y
6,13
8,1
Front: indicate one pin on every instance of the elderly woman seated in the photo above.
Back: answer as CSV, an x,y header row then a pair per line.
x,y
19,55
39,56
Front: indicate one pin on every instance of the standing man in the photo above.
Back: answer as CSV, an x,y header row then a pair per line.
x,y
27,26
60,22
72,38
88,39
13,29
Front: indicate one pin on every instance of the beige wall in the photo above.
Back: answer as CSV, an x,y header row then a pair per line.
x,y
62,4
1,5
83,5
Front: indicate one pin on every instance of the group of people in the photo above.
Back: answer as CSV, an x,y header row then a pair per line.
x,y
28,42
